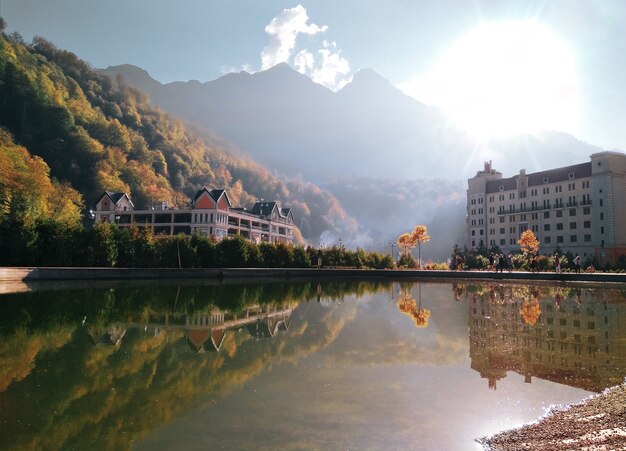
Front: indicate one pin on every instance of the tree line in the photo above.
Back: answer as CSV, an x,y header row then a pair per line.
x,y
50,243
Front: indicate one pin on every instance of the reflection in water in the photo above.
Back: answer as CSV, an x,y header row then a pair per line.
x,y
573,336
107,367
408,306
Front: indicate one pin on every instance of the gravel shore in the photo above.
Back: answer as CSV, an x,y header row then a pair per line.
x,y
597,423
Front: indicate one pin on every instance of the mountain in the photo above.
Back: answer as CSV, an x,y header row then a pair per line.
x,y
391,161
367,128
73,127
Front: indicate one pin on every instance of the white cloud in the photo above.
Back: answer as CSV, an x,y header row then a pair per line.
x,y
325,65
284,30
243,68
333,68
304,61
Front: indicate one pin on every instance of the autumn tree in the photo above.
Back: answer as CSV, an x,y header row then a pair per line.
x,y
528,243
405,243
418,236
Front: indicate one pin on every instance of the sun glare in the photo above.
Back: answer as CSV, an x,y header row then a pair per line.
x,y
504,78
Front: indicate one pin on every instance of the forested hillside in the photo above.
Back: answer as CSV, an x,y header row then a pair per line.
x,y
97,135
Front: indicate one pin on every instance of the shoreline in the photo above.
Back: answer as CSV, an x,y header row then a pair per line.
x,y
11,274
597,422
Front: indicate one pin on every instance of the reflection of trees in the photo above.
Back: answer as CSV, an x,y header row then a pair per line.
x,y
530,311
578,341
61,390
413,309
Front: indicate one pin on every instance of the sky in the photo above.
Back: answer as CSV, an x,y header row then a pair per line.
x,y
464,56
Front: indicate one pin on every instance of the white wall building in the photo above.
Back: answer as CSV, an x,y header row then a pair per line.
x,y
210,214
579,208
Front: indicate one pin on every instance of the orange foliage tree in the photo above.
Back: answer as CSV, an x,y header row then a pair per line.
x,y
405,243
528,243
420,235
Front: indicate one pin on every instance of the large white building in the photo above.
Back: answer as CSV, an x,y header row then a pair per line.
x,y
210,214
579,208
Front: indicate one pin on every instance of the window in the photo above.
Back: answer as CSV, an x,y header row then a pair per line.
x,y
572,212
547,240
502,242
559,226
559,239
546,180
601,202
601,216
586,211
559,214
573,238
570,175
473,232
572,225
501,219
546,227
501,188
481,231
587,237
546,215
602,230
587,224
501,229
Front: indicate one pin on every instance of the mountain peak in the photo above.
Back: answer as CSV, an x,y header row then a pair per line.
x,y
369,78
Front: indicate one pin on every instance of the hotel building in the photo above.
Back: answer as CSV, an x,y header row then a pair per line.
x,y
579,208
210,214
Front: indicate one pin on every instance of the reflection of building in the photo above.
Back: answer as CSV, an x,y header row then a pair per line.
x,y
579,341
210,213
205,331
579,208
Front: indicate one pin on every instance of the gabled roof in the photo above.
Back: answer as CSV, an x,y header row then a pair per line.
x,y
263,208
115,197
215,194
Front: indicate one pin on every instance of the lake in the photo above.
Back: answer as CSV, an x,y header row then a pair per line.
x,y
302,365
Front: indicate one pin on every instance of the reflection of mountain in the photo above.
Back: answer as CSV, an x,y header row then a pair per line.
x,y
579,339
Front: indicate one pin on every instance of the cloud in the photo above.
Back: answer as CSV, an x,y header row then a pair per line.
x,y
333,67
325,65
304,61
284,30
247,67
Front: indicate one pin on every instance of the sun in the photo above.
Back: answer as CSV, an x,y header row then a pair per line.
x,y
503,79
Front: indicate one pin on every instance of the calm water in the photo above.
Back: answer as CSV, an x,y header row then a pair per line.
x,y
298,366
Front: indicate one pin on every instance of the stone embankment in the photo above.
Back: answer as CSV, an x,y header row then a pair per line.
x,y
42,274
597,423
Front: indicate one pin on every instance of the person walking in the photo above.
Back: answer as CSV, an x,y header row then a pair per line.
x,y
496,262
509,261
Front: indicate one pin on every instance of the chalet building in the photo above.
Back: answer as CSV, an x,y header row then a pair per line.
x,y
579,208
211,213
